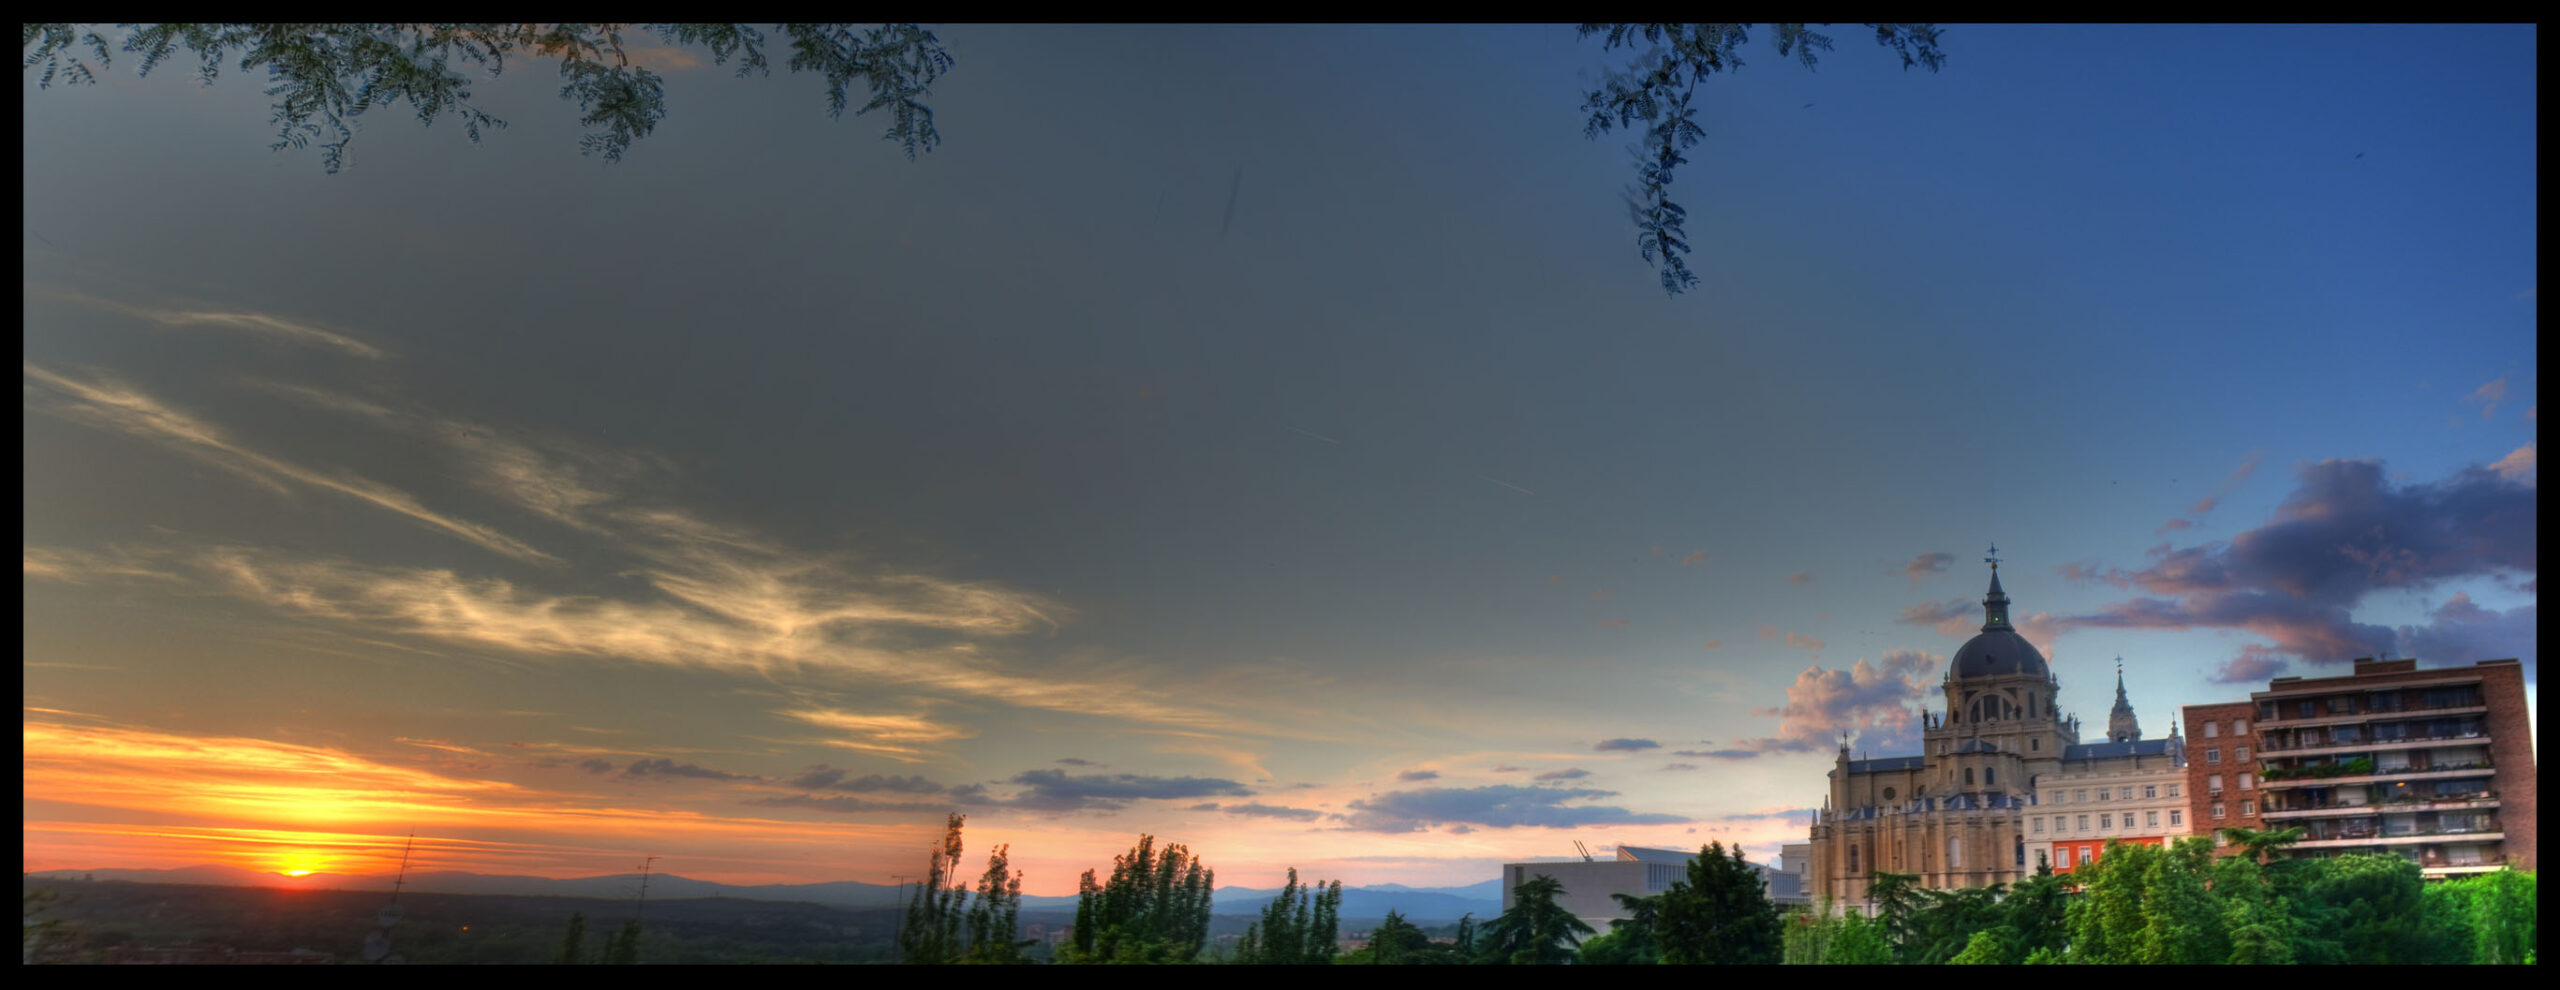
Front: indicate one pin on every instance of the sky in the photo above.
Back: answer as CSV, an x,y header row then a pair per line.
x,y
1264,438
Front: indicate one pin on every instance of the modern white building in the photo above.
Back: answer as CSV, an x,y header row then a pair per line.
x,y
1636,872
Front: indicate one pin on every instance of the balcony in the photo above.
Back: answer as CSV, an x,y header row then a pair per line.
x,y
2287,719
2380,777
2272,746
2378,838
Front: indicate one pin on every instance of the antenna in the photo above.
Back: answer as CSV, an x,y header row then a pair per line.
x,y
642,909
377,943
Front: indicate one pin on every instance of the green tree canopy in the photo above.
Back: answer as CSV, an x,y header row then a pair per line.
x,y
325,76
1653,93
1298,928
1537,931
1719,914
1153,909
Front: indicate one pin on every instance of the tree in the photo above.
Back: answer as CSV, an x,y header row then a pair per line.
x,y
1395,942
326,76
2370,906
1296,929
572,946
1896,897
2180,924
995,918
1630,940
1946,921
2258,844
2502,915
931,932
1656,90
1153,909
1719,915
2034,910
622,948
1537,931
1984,948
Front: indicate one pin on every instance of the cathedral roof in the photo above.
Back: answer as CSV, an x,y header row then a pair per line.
x,y
2136,747
1887,764
1999,650
1977,746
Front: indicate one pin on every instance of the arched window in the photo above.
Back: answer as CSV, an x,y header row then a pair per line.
x,y
1955,852
2022,853
1990,776
1968,776
2035,744
1853,860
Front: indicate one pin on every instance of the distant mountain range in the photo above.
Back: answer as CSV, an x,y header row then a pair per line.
x,y
1421,904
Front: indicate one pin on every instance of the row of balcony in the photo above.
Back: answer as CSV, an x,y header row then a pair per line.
x,y
2278,744
2334,809
2289,714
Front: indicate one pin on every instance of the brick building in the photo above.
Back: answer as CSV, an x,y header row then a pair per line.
x,y
2436,765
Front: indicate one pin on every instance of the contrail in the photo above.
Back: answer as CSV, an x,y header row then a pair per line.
x,y
1314,436
1509,485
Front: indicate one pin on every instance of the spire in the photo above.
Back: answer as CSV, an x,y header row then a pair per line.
x,y
2121,725
1995,604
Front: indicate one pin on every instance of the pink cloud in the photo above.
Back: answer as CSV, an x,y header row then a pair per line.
x,y
1803,642
1695,558
1801,577
1927,564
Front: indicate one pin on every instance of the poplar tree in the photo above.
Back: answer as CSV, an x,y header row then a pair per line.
x,y
1298,928
573,944
1154,908
1719,914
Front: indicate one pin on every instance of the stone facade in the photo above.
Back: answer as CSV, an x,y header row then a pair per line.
x,y
1957,814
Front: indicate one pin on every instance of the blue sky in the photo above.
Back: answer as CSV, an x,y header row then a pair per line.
x,y
1277,408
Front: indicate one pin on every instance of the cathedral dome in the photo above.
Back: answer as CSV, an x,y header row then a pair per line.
x,y
1999,651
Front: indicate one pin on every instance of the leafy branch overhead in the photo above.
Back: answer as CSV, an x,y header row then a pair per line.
x,y
323,77
1655,93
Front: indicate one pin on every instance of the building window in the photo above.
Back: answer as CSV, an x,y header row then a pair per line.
x,y
2173,790
2150,791
2080,797
2039,826
2035,744
2213,730
2124,793
2106,821
2248,781
2213,784
2176,818
2308,708
2151,819
1853,860
1990,776
2084,823
2058,823
2102,794
1968,776
2242,756
2213,754
2239,726
1955,852
2248,808
2217,811
2066,857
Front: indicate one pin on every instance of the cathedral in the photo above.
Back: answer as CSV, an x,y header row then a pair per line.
x,y
1964,811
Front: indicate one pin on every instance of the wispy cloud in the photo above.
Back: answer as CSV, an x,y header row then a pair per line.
x,y
2488,396
1695,558
1927,565
1626,745
1800,577
898,735
111,405
266,325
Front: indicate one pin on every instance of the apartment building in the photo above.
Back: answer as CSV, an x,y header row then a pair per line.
x,y
2436,765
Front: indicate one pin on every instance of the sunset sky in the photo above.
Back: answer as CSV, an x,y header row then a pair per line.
x,y
1264,438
